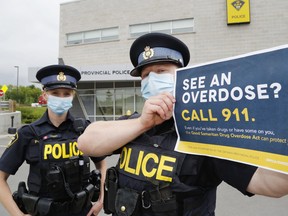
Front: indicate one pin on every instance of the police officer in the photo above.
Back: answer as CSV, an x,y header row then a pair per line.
x,y
150,178
60,182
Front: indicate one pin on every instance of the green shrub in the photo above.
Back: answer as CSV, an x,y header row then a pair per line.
x,y
30,114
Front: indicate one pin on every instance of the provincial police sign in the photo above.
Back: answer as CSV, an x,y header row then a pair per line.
x,y
236,109
107,73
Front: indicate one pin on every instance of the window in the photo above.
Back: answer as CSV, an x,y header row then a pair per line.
x,y
164,27
93,36
105,102
180,26
110,100
109,34
138,30
74,38
168,27
124,101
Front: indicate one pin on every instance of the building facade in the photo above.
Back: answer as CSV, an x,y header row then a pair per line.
x,y
95,37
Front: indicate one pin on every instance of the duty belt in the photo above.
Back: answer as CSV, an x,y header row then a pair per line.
x,y
126,201
129,202
35,205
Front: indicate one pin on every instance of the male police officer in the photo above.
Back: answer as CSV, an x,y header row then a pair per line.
x,y
150,178
59,181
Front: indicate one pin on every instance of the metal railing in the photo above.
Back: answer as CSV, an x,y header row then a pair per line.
x,y
7,106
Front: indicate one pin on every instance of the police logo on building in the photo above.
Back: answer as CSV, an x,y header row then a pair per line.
x,y
148,52
61,76
238,4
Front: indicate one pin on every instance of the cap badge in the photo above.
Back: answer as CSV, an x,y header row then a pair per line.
x,y
148,52
61,76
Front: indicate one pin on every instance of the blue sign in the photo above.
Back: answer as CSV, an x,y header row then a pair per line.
x,y
236,109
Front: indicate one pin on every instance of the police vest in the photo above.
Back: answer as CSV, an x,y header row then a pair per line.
x,y
150,161
57,168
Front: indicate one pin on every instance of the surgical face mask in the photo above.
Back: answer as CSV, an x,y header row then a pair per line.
x,y
59,105
156,83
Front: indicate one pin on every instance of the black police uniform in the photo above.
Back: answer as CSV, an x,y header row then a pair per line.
x,y
59,180
152,179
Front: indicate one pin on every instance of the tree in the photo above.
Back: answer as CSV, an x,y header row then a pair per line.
x,y
26,94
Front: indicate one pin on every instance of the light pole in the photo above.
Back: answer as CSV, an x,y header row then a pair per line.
x,y
17,67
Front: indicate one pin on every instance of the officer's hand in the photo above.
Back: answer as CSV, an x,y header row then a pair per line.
x,y
96,208
157,109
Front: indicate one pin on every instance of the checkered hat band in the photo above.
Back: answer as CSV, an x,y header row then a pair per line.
x,y
53,78
160,52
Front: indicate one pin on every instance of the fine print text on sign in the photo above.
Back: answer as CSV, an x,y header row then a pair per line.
x,y
236,109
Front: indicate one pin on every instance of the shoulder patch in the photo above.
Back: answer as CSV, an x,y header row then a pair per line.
x,y
14,138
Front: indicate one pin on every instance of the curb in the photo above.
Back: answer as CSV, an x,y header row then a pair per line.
x,y
6,135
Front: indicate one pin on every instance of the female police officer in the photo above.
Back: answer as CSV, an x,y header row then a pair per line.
x,y
150,178
59,181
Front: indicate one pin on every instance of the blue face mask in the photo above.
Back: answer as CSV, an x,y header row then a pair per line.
x,y
59,105
156,83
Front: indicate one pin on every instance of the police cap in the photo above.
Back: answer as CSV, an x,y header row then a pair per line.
x,y
157,47
58,76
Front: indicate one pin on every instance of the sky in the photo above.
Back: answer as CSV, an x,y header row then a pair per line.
x,y
29,37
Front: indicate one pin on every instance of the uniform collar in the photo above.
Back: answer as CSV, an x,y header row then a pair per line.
x,y
44,119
